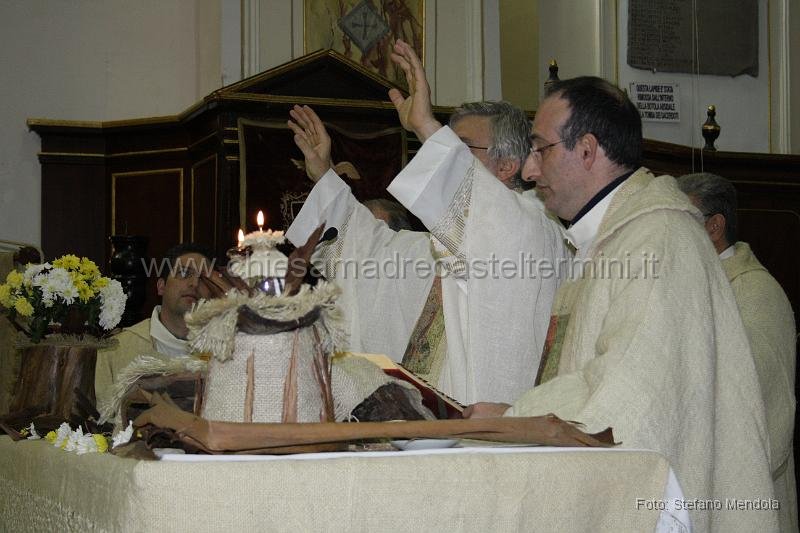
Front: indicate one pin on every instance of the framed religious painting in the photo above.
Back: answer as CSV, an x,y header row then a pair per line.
x,y
364,31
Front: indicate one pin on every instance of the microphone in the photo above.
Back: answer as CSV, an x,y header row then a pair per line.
x,y
330,234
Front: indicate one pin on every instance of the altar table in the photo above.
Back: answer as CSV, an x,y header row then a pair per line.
x,y
43,488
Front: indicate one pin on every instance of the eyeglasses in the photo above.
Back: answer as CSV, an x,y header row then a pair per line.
x,y
538,152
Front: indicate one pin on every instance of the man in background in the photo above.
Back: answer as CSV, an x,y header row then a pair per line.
x,y
390,212
164,333
497,134
768,321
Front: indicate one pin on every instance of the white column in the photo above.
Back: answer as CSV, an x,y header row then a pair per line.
x,y
492,73
231,57
780,76
251,37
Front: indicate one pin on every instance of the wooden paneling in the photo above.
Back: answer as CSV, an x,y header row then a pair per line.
x,y
74,191
177,178
203,203
768,190
275,184
149,203
201,151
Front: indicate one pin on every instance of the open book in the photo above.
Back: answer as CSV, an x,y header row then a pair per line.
x,y
441,405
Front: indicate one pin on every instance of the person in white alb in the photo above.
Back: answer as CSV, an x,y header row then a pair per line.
x,y
441,302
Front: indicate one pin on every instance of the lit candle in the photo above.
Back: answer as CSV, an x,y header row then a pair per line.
x,y
240,237
260,220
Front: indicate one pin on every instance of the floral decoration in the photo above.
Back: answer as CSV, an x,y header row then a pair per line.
x,y
77,441
68,295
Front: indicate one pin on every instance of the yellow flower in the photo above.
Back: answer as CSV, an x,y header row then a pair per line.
x,y
50,437
85,292
99,283
14,279
23,307
102,443
88,269
5,296
68,261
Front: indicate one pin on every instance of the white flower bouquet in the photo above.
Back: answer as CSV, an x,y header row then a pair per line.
x,y
67,296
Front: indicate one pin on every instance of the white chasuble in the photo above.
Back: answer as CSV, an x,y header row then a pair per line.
x,y
492,248
501,255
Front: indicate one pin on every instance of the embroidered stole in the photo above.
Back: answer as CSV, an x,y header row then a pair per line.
x,y
563,305
427,347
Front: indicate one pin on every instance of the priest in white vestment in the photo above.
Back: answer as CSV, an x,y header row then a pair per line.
x,y
655,349
494,289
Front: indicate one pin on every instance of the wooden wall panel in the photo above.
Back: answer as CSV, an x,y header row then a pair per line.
x,y
274,182
768,189
74,192
149,203
203,203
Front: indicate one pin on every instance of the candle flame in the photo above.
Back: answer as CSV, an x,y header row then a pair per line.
x,y
260,220
240,237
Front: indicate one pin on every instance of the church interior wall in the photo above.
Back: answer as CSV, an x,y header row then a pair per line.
x,y
742,103
93,61
115,60
519,46
575,35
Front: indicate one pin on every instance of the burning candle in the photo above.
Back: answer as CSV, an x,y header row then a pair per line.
x,y
240,238
260,220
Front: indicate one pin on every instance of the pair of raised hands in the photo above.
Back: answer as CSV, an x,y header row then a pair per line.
x,y
415,113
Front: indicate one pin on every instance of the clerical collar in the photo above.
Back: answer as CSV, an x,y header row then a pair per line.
x,y
727,253
582,232
163,340
599,196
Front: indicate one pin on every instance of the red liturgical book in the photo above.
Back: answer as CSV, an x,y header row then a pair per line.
x,y
441,405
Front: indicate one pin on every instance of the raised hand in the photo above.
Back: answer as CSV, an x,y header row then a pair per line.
x,y
415,112
312,139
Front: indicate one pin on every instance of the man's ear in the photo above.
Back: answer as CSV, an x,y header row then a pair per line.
x,y
587,147
160,284
507,169
715,227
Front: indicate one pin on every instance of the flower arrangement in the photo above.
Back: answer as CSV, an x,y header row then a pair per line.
x,y
77,441
68,295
